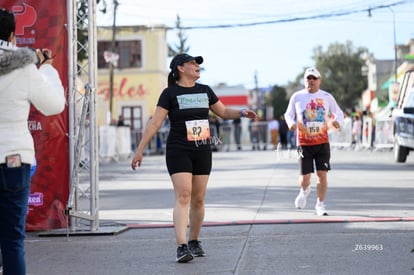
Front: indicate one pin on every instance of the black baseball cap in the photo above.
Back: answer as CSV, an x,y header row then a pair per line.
x,y
182,58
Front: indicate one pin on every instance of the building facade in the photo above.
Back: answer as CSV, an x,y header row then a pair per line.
x,y
139,77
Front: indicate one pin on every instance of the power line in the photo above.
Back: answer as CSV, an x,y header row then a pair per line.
x,y
295,19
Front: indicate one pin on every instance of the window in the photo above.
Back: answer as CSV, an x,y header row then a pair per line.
x,y
133,116
410,100
130,53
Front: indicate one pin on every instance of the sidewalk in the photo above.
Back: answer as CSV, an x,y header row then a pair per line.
x,y
251,225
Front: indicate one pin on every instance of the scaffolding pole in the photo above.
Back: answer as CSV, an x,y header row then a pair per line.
x,y
82,124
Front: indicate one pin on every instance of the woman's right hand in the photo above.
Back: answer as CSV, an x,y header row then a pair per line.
x,y
136,160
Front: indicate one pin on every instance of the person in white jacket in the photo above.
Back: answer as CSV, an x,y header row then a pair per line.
x,y
22,83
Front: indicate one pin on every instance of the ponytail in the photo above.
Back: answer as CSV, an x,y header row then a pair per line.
x,y
172,78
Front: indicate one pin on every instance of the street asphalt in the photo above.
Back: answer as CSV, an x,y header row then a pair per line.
x,y
251,224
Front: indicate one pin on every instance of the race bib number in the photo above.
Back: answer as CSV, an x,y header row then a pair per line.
x,y
314,128
197,130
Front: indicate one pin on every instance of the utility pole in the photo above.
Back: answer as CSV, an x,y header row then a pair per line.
x,y
395,42
395,46
111,65
256,84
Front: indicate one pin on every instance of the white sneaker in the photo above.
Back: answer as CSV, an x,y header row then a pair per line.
x,y
300,201
320,209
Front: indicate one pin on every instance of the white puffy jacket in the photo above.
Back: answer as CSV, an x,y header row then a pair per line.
x,y
21,83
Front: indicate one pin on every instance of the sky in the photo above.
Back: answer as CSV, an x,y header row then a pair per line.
x,y
273,40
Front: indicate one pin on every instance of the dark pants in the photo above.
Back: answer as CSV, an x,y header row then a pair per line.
x,y
237,135
14,195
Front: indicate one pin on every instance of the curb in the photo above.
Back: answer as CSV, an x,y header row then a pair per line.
x,y
280,221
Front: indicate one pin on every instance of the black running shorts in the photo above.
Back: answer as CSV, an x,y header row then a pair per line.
x,y
320,154
195,162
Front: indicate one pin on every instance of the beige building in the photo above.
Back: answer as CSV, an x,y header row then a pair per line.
x,y
139,77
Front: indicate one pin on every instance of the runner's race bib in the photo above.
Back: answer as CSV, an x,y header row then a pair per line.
x,y
314,127
197,130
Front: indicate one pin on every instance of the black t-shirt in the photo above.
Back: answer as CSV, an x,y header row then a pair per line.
x,y
188,110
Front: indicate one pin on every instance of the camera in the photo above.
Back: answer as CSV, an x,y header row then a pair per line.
x,y
46,57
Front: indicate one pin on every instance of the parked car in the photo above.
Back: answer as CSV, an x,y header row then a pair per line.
x,y
403,119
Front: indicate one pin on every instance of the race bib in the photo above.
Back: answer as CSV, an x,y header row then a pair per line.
x,y
314,127
197,130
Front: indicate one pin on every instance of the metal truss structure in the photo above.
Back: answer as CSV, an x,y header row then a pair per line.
x,y
83,133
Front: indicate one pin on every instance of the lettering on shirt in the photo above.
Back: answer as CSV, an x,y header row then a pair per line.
x,y
191,101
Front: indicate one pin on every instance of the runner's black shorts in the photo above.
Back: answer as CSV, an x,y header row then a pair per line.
x,y
319,154
197,162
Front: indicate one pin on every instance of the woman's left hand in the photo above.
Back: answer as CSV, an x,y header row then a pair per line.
x,y
249,114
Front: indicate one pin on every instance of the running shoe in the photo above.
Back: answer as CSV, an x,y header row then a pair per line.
x,y
320,209
195,247
183,254
300,201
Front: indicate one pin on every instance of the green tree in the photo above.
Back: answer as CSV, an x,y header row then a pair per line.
x,y
181,47
341,70
277,98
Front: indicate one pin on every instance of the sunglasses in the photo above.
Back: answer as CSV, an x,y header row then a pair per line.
x,y
311,78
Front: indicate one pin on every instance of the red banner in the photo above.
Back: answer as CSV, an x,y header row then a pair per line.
x,y
41,24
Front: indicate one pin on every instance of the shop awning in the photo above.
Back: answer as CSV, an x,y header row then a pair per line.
x,y
409,56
